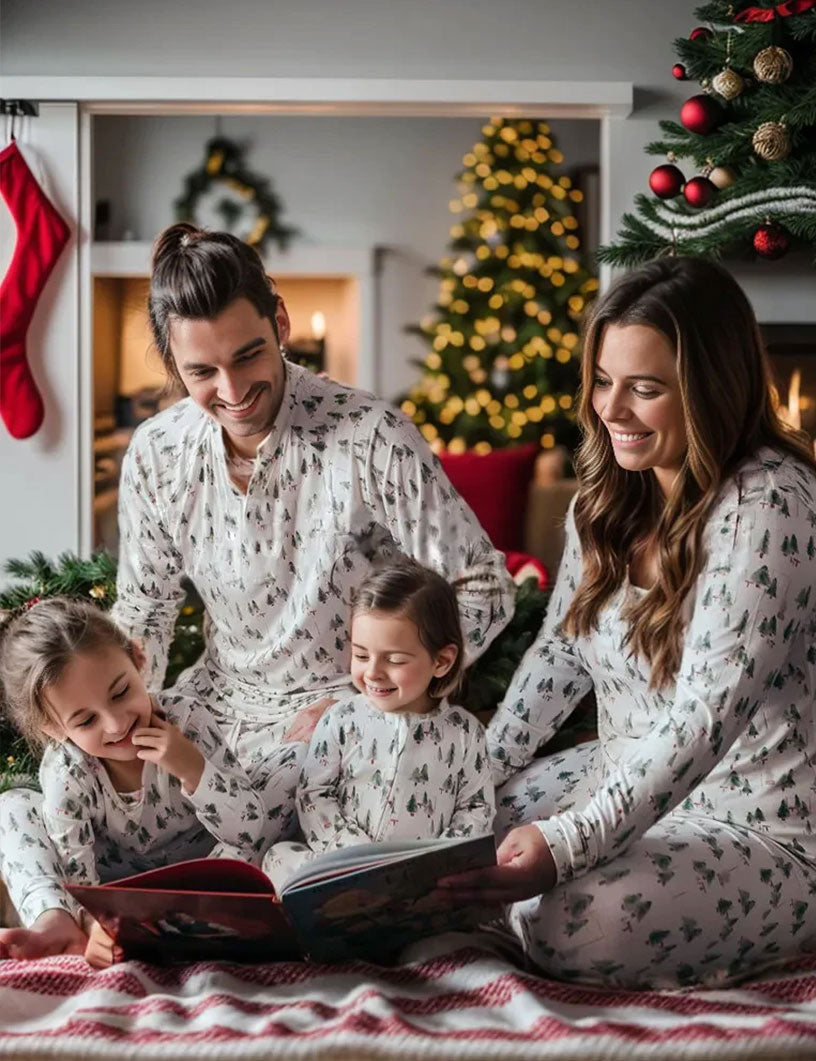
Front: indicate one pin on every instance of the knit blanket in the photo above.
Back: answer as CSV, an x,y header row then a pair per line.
x,y
467,1003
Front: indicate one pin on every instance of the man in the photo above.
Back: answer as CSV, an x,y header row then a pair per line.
x,y
274,492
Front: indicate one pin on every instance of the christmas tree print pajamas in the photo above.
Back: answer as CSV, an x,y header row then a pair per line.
x,y
683,837
342,480
372,775
101,834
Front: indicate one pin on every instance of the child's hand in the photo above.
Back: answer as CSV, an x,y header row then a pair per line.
x,y
101,950
163,744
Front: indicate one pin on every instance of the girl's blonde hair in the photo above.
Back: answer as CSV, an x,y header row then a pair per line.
x,y
729,410
408,589
37,644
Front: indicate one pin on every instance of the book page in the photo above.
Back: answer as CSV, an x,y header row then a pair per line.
x,y
362,856
374,911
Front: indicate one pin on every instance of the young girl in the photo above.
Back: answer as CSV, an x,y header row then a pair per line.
x,y
129,782
397,762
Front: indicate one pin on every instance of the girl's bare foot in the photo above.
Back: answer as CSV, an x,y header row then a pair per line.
x,y
54,932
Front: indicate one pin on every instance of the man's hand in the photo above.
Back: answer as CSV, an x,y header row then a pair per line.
x,y
161,743
306,719
101,950
525,868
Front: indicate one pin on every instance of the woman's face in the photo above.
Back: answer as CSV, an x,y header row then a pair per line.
x,y
636,394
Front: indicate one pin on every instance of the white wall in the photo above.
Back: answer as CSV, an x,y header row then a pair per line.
x,y
343,181
38,475
628,40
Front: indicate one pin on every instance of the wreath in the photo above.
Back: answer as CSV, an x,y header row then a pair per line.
x,y
224,163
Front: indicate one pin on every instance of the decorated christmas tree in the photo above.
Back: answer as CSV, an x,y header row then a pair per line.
x,y
504,360
740,170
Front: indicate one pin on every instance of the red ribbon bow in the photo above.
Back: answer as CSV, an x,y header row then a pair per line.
x,y
768,14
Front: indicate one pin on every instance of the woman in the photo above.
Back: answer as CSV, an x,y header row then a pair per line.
x,y
678,848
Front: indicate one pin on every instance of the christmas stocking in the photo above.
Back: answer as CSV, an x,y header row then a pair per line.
x,y
41,235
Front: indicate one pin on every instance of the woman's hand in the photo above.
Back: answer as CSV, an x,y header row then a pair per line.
x,y
525,867
101,950
163,744
305,721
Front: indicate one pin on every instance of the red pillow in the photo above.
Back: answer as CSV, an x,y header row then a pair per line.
x,y
495,485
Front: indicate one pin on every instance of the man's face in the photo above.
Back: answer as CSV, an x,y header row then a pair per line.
x,y
232,367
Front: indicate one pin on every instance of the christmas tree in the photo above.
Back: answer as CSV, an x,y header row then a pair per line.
x,y
504,360
749,138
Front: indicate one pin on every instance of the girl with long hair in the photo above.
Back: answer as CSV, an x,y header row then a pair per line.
x,y
678,847
129,781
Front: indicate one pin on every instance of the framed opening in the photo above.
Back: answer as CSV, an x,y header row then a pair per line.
x,y
106,98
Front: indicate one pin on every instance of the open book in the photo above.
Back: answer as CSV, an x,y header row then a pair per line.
x,y
362,901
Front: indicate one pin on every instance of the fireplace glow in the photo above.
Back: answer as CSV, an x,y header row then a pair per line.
x,y
792,412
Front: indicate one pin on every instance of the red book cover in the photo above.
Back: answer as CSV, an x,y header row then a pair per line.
x,y
204,908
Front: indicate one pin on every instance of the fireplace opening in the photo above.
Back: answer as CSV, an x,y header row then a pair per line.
x,y
792,352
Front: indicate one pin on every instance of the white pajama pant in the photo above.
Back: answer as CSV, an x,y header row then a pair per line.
x,y
695,900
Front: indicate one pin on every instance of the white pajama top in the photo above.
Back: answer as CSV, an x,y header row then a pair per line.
x,y
373,775
342,480
734,738
101,834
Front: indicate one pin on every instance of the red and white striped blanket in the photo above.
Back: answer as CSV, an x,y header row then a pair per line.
x,y
465,1004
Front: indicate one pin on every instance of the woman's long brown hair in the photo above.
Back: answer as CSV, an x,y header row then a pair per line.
x,y
729,408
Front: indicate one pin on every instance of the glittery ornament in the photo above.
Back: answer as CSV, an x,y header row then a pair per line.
x,y
679,72
728,83
721,176
773,65
771,141
770,241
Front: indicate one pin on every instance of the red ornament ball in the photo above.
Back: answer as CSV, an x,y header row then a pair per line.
x,y
699,32
666,181
701,114
679,72
771,242
699,191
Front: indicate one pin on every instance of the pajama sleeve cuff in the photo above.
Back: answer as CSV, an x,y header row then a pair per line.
x,y
568,846
43,897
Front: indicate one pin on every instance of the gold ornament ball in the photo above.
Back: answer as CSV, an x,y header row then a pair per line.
x,y
721,176
728,83
773,65
771,141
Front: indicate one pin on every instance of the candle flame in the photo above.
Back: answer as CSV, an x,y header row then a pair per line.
x,y
318,325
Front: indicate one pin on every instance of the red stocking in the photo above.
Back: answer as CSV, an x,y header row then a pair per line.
x,y
41,235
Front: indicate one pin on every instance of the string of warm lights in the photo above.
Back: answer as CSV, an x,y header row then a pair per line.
x,y
502,367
